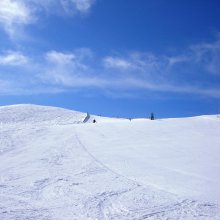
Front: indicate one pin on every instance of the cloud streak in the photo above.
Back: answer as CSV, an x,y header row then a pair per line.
x,y
59,71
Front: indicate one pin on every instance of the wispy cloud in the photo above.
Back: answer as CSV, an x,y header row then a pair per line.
x,y
70,69
133,71
124,73
69,7
183,73
82,6
134,61
15,15
178,59
13,58
208,55
117,63
203,55
62,68
59,58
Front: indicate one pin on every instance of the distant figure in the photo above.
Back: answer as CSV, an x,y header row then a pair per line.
x,y
94,121
152,116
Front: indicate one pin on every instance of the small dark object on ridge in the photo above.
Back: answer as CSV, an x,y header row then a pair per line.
x,y
94,121
152,116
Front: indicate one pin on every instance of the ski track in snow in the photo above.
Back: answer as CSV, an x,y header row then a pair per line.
x,y
47,173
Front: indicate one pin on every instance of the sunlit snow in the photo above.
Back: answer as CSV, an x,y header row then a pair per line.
x,y
55,165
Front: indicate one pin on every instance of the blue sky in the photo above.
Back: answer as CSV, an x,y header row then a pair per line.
x,y
116,58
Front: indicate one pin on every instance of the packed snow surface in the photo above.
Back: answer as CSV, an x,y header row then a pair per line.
x,y
57,165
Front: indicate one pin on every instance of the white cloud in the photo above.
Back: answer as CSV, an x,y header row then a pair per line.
x,y
60,7
60,58
118,63
158,73
208,55
14,14
79,69
69,69
135,62
82,6
178,59
70,7
13,58
68,62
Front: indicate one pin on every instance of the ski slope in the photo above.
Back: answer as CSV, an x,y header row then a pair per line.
x,y
55,167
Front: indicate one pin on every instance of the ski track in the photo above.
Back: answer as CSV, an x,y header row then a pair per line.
x,y
62,180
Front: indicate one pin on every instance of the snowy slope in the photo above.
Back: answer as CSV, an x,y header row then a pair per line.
x,y
181,156
55,167
27,113
39,114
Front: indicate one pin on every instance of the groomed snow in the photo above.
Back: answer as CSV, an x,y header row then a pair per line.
x,y
55,167
181,156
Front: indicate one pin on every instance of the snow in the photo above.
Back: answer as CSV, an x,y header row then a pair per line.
x,y
180,156
39,114
54,166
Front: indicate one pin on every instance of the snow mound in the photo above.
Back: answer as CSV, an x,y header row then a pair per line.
x,y
27,113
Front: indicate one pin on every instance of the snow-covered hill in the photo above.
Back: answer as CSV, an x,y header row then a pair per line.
x,y
55,167
27,114
39,114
